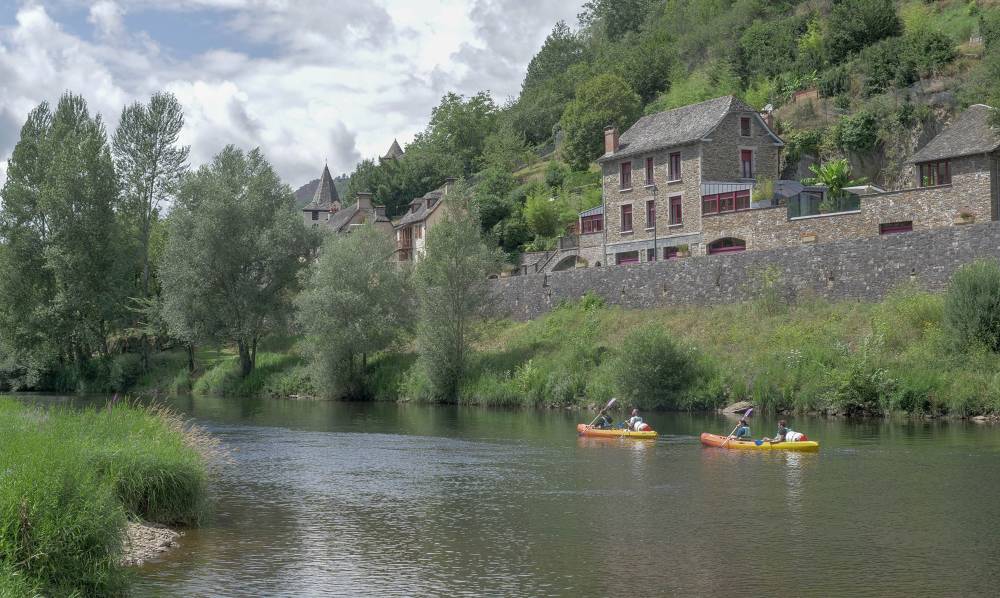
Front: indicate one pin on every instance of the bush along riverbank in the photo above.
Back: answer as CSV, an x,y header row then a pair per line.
x,y
915,352
71,482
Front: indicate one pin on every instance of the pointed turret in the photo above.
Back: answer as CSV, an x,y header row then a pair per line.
x,y
394,151
326,197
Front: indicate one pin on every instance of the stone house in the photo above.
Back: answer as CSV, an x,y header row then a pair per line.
x,y
671,170
955,184
327,211
691,179
421,215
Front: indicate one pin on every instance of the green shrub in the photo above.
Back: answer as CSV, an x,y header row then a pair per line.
x,y
555,174
863,388
972,306
651,371
858,132
834,82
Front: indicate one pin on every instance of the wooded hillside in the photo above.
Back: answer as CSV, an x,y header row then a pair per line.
x,y
869,80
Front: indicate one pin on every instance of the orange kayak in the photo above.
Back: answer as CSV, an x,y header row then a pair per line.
x,y
751,445
585,430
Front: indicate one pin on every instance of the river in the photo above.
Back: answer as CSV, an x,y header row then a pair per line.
x,y
329,498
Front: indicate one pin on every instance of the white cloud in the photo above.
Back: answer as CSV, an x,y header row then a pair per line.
x,y
106,16
339,79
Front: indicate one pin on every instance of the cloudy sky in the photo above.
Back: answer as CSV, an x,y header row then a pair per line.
x,y
305,80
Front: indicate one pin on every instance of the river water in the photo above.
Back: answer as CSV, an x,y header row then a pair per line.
x,y
393,500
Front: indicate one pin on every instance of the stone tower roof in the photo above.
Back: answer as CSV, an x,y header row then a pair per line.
x,y
394,151
326,197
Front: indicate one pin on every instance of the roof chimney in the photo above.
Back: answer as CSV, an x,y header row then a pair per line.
x,y
448,184
364,200
610,140
380,211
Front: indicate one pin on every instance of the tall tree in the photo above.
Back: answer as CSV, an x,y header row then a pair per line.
x,y
355,303
854,24
234,250
150,163
64,276
460,126
602,101
562,49
452,291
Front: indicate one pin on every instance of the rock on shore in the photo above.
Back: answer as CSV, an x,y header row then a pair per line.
x,y
145,541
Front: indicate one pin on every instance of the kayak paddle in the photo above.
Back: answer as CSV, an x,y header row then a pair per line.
x,y
746,414
606,407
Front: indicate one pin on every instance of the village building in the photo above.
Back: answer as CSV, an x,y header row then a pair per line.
x,y
422,214
325,202
672,169
703,179
327,211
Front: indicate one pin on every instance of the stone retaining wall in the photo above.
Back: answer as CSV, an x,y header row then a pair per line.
x,y
864,269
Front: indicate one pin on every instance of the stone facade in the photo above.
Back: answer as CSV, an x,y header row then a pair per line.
x,y
865,268
720,160
968,198
716,157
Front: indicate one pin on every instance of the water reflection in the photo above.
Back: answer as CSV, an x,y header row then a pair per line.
x,y
348,499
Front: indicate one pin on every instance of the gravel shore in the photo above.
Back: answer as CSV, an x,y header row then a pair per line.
x,y
145,541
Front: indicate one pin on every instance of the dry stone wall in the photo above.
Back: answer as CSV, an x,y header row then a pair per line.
x,y
864,269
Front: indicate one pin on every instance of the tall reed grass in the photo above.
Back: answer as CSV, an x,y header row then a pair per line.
x,y
69,481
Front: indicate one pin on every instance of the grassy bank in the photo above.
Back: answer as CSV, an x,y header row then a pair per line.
x,y
71,480
842,357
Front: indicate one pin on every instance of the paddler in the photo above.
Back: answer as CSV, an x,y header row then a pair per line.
x,y
635,420
742,431
786,435
604,422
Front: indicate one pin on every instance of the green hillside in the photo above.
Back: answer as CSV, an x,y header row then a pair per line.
x,y
869,80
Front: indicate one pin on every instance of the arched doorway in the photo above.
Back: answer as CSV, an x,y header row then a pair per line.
x,y
727,245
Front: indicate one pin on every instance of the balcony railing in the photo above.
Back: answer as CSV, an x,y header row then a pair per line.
x,y
816,203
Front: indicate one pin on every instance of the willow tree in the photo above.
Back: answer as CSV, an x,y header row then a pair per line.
x,y
235,247
354,303
150,163
453,294
64,271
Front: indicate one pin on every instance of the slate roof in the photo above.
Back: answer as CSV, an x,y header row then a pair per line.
x,y
970,133
422,211
679,126
341,219
326,193
394,151
592,212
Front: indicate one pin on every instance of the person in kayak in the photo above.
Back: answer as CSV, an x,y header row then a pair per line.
x,y
635,420
604,422
786,435
742,431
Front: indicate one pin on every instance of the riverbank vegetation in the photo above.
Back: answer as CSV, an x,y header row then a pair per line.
x,y
72,479
914,352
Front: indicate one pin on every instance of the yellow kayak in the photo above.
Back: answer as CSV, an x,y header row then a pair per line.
x,y
585,430
751,445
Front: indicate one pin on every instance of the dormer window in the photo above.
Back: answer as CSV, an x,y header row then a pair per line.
x,y
745,126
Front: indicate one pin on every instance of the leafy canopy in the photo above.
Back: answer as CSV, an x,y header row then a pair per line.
x,y
605,100
236,245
